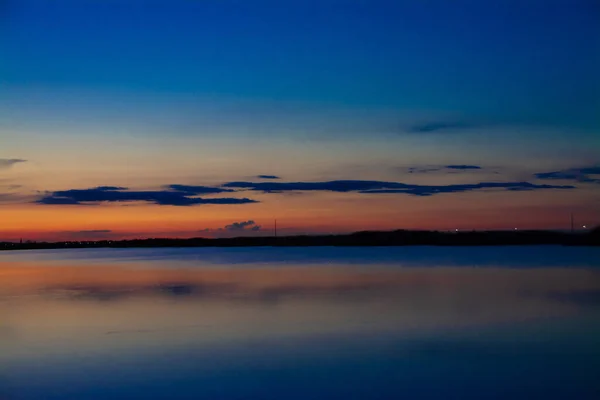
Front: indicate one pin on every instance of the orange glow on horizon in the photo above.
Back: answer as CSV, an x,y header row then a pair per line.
x,y
306,213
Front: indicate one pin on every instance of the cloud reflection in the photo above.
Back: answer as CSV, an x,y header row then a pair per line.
x,y
55,314
458,285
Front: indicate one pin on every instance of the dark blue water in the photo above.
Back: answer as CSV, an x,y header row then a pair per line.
x,y
373,323
419,256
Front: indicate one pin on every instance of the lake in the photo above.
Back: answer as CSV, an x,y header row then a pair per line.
x,y
301,323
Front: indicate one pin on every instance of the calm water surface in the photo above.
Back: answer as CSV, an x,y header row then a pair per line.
x,y
301,323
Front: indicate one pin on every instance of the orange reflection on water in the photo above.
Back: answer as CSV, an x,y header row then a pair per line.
x,y
99,308
17,279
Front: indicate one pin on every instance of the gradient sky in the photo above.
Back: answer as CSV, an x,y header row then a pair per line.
x,y
434,114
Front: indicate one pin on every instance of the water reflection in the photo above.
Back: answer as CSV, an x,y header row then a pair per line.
x,y
268,332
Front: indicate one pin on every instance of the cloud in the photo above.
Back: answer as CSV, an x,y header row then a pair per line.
x,y
6,163
15,198
119,194
584,175
96,231
445,168
268,177
235,227
440,126
111,188
463,167
243,226
333,186
423,190
53,200
12,187
423,170
379,187
190,190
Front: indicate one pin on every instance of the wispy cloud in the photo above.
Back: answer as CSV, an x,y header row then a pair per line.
x,y
6,163
584,175
8,195
440,126
11,187
443,168
268,177
379,187
463,167
110,194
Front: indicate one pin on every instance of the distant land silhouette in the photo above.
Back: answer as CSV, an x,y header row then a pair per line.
x,y
363,238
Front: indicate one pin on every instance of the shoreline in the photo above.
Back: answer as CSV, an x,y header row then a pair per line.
x,y
397,238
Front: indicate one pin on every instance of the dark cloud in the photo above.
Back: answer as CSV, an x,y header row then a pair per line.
x,y
463,167
444,168
333,186
235,227
268,177
439,126
190,190
96,231
424,190
243,226
584,175
111,188
52,200
386,187
423,170
6,163
117,194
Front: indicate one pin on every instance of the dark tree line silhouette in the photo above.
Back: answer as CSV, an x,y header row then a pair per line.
x,y
363,238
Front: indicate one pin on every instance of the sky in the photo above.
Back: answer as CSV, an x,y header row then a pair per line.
x,y
183,118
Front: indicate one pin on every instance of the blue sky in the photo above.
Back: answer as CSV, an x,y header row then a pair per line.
x,y
142,94
532,61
